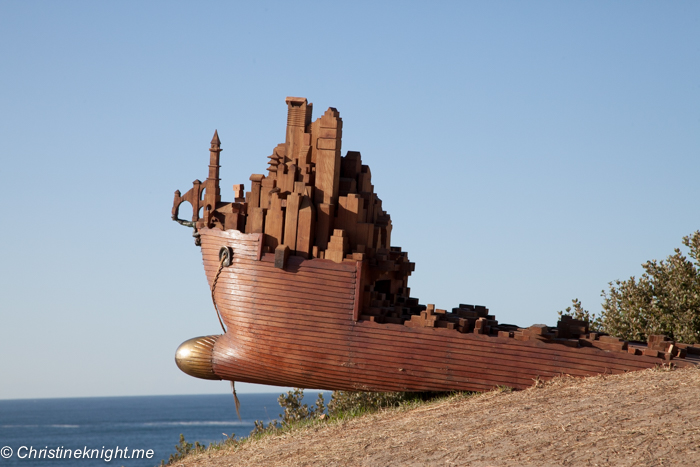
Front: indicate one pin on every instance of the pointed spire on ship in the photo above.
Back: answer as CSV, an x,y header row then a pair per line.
x,y
214,151
215,140
212,195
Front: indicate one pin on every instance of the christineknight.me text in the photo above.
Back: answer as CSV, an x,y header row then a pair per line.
x,y
24,452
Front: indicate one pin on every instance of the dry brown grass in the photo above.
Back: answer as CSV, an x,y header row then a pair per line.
x,y
642,418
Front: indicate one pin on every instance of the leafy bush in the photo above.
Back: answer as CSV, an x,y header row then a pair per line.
x,y
664,300
294,411
183,448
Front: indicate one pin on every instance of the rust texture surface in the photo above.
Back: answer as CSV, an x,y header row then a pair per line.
x,y
315,296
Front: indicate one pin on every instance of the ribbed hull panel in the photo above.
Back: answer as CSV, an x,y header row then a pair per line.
x,y
295,327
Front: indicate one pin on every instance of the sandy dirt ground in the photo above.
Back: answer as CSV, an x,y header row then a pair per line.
x,y
647,418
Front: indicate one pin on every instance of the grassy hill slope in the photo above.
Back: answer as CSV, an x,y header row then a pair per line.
x,y
641,418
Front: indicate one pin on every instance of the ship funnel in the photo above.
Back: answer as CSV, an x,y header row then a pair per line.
x,y
194,357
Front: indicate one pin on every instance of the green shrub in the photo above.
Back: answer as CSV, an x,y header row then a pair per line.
x,y
183,448
294,411
664,300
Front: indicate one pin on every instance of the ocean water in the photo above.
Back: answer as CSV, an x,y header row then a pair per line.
x,y
102,423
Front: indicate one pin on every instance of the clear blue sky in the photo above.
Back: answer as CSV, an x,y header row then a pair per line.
x,y
528,153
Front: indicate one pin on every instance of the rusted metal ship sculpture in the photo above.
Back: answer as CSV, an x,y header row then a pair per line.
x,y
313,295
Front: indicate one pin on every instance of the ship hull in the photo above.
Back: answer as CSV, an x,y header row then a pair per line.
x,y
299,326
